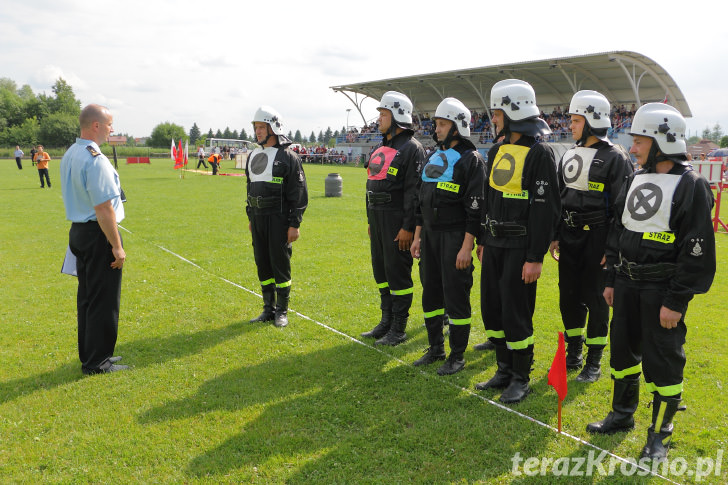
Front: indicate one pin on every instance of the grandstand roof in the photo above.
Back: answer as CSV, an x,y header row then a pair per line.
x,y
624,77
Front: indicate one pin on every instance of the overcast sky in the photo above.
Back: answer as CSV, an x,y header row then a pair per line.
x,y
214,62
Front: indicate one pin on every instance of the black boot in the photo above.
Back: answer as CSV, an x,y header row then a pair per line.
x,y
574,359
383,326
436,350
269,301
624,404
487,345
502,377
282,295
518,388
663,410
592,370
459,335
396,334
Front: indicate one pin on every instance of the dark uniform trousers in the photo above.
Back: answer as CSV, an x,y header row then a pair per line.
x,y
507,303
271,249
443,285
99,294
636,333
392,268
581,283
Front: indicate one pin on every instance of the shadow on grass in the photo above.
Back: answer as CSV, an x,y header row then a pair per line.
x,y
138,353
344,413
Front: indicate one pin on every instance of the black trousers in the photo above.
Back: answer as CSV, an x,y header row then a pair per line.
x,y
201,161
443,285
214,167
392,268
20,164
43,172
581,284
99,295
639,343
271,249
507,303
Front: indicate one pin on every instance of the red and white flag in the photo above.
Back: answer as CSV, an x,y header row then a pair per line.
x,y
186,151
179,158
173,152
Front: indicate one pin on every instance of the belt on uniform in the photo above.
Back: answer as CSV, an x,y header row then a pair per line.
x,y
379,198
579,219
645,272
504,229
263,202
453,215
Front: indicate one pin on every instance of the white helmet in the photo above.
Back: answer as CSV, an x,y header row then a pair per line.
x,y
593,106
516,98
454,110
400,106
664,123
266,114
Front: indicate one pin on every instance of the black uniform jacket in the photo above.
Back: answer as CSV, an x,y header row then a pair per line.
x,y
458,204
692,249
292,189
539,209
609,169
399,178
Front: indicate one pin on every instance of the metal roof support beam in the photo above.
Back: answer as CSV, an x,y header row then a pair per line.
x,y
357,104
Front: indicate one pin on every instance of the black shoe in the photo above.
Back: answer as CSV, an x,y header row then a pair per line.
x,y
264,317
500,380
111,368
281,319
590,373
516,391
396,334
487,345
451,366
381,329
613,423
432,354
115,359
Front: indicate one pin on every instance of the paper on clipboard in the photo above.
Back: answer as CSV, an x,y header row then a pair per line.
x,y
69,263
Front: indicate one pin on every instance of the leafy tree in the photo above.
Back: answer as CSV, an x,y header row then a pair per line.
x,y
65,101
163,134
59,129
297,137
328,135
320,137
717,133
243,134
194,134
235,135
227,134
312,138
724,142
218,134
25,134
210,134
130,141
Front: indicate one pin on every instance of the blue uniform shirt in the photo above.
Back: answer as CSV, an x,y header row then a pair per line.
x,y
87,181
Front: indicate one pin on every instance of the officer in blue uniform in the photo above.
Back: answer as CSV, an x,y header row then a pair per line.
x,y
93,201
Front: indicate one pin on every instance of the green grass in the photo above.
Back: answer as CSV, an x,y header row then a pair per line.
x,y
212,398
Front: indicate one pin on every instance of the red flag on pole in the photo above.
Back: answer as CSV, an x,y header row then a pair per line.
x,y
557,373
179,159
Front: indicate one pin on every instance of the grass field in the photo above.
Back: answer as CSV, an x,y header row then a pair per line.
x,y
212,398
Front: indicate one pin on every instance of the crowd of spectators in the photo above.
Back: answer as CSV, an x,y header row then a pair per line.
x,y
321,154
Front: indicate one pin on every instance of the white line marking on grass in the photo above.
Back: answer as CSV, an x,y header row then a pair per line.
x,y
422,372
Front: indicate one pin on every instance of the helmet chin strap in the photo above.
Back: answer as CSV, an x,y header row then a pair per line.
x,y
445,144
505,131
270,134
585,134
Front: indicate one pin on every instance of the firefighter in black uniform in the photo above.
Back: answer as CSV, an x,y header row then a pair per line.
x,y
450,200
522,208
392,172
661,252
590,176
277,198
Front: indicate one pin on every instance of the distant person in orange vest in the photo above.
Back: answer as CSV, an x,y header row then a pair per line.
x,y
214,160
41,159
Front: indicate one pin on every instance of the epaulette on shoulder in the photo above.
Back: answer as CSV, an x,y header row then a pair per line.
x,y
92,151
